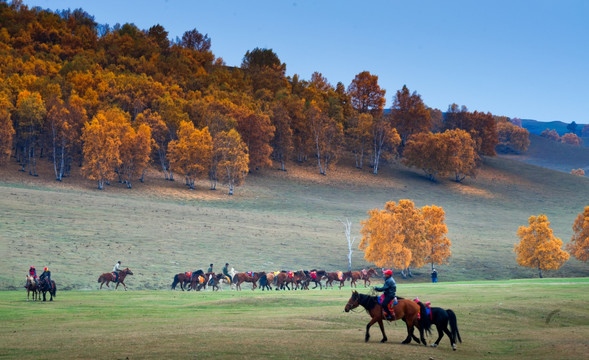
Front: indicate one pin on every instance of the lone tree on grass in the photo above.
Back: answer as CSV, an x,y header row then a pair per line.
x,y
404,236
538,247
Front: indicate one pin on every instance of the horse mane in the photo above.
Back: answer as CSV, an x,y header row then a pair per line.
x,y
367,301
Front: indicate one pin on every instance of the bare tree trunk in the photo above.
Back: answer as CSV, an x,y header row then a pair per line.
x,y
351,240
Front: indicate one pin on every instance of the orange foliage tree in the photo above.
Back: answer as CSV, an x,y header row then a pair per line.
x,y
441,154
579,245
538,247
550,134
409,114
135,152
481,127
191,154
102,141
512,137
359,131
366,94
6,128
256,131
327,136
437,244
282,144
30,111
59,122
571,139
233,158
404,236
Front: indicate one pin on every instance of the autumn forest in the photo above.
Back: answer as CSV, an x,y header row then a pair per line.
x,y
115,100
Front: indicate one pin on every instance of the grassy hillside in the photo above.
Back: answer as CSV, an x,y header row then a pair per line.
x,y
277,220
538,319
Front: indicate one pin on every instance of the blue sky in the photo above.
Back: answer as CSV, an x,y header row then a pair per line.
x,y
517,58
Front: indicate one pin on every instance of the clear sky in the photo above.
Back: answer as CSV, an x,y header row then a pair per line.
x,y
517,58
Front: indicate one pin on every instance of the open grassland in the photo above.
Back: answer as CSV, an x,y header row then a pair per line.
x,y
277,220
517,319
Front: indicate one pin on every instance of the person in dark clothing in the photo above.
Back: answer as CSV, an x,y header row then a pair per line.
x,y
210,269
46,277
226,269
389,289
434,276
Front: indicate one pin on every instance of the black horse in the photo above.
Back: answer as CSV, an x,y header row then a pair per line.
x,y
441,318
45,287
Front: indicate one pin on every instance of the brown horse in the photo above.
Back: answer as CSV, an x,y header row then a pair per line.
x,y
108,277
183,279
266,281
31,287
367,274
353,276
406,310
333,276
240,278
197,280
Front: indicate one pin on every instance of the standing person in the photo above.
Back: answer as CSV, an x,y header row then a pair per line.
x,y
389,288
434,276
116,270
46,276
33,273
210,269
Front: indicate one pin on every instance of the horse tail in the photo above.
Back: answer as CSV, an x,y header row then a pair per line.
x,y
424,320
176,281
54,288
453,325
235,279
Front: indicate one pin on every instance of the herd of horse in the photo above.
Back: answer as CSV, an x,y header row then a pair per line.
x,y
414,313
279,280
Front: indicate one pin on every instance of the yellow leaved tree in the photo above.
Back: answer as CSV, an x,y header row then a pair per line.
x,y
6,128
191,154
102,140
403,236
233,158
538,247
579,245
135,152
438,245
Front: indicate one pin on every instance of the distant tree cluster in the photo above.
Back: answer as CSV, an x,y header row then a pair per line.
x,y
118,99
569,138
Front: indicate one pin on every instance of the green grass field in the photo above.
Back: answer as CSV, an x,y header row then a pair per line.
x,y
275,221
518,319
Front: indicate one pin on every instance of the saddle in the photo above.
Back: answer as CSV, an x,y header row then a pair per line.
x,y
188,274
340,276
290,274
115,276
313,275
391,305
251,274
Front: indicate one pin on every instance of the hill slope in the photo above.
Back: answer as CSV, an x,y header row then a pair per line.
x,y
554,155
277,220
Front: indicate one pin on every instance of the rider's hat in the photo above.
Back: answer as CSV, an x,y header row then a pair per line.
x,y
45,268
32,267
388,272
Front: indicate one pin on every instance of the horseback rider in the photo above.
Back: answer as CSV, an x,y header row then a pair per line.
x,y
210,269
46,276
389,288
33,273
116,270
226,272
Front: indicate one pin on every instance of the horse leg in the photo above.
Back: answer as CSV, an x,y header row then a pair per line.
x,y
409,333
384,336
367,336
452,340
412,333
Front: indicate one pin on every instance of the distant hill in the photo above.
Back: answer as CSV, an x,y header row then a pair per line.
x,y
536,127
